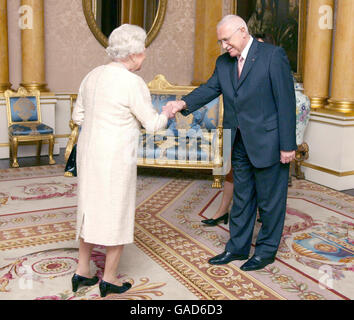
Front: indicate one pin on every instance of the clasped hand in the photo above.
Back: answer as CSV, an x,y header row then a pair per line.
x,y
287,156
172,107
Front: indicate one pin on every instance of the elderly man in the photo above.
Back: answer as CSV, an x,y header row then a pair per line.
x,y
257,86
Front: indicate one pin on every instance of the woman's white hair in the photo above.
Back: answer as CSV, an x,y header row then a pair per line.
x,y
126,40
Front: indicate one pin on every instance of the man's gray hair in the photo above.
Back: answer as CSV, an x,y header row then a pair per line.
x,y
232,19
126,40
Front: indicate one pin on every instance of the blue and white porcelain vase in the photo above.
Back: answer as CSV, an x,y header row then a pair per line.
x,y
303,108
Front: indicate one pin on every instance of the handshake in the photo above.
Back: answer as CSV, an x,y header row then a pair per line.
x,y
172,107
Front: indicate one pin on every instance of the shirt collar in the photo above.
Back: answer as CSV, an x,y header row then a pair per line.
x,y
244,53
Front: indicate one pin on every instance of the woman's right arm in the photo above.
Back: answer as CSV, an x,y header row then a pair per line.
x,y
142,108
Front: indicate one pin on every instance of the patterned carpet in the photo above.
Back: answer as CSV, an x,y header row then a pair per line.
x,y
168,260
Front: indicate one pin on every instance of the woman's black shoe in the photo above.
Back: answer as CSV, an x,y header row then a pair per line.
x,y
77,280
106,287
214,222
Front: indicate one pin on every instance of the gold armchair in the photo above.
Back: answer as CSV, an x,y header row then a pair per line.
x,y
25,123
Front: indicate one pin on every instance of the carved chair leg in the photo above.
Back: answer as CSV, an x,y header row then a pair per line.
x,y
217,182
39,148
14,146
50,150
10,149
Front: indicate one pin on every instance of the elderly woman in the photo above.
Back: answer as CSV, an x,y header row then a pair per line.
x,y
112,104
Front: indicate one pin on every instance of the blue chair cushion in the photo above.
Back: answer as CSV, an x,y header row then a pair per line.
x,y
29,129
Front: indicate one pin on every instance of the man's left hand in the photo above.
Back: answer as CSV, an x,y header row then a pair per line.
x,y
287,156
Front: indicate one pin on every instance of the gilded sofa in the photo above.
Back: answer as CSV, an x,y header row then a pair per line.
x,y
193,142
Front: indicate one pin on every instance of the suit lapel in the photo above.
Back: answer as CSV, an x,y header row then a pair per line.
x,y
250,60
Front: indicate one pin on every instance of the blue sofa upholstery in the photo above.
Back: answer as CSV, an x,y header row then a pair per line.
x,y
195,141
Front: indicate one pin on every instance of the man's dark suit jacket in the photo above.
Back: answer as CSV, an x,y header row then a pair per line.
x,y
261,103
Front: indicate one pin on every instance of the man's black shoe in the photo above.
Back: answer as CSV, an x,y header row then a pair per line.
x,y
227,257
256,263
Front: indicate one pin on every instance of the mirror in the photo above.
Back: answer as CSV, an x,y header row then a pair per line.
x,y
103,16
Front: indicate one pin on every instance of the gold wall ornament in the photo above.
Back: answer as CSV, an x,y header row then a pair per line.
x,y
88,8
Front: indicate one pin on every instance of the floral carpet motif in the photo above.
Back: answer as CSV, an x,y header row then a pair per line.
x,y
169,259
315,258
